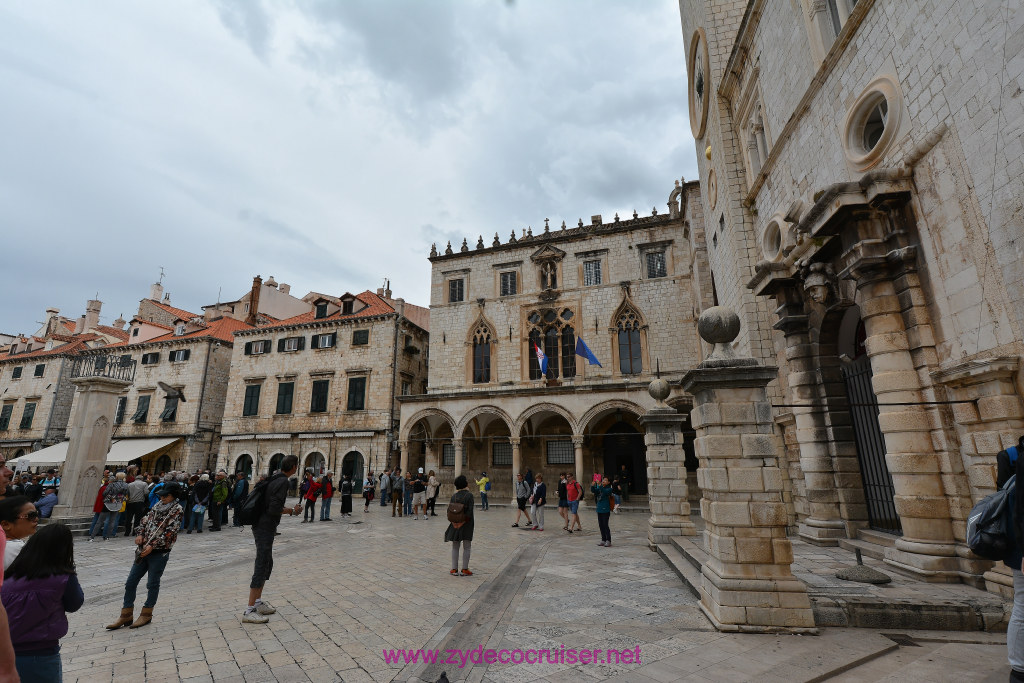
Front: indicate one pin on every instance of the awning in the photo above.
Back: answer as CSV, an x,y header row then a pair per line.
x,y
46,457
125,450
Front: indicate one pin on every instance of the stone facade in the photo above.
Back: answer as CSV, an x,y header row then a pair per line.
x,y
866,224
487,403
376,353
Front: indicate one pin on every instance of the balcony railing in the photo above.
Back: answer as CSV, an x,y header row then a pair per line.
x,y
111,367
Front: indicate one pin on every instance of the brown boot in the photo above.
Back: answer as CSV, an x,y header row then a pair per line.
x,y
123,620
144,618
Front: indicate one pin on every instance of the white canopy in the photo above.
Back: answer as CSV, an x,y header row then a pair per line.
x,y
46,457
121,452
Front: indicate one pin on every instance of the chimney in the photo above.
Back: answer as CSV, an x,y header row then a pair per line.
x,y
271,282
156,291
211,312
120,323
80,325
387,289
92,314
167,298
254,300
380,291
284,289
400,305
51,320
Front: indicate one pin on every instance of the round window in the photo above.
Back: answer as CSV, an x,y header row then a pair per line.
x,y
534,318
872,123
771,242
697,63
549,316
874,126
567,314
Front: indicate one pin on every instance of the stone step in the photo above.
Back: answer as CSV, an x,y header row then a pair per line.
x,y
681,565
867,548
691,548
877,537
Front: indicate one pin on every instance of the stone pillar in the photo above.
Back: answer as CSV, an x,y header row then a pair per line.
x,y
927,547
666,471
404,456
457,443
517,464
577,444
89,444
747,583
431,457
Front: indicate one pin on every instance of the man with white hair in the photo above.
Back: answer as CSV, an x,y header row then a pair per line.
x,y
136,507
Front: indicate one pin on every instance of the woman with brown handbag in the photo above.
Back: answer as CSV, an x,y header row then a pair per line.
x,y
460,527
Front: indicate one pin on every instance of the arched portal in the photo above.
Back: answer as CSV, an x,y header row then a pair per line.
x,y
316,463
352,466
244,464
625,456
275,463
546,441
163,464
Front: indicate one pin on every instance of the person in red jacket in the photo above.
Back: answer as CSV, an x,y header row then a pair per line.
x,y
312,491
97,509
327,491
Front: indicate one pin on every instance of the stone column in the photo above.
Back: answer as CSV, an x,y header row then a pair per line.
x,y
577,444
517,465
927,547
404,456
88,446
666,471
431,457
747,583
457,443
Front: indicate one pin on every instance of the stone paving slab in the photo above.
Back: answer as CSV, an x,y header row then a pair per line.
x,y
346,590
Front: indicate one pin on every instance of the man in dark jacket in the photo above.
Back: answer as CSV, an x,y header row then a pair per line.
x,y
239,495
263,532
1007,466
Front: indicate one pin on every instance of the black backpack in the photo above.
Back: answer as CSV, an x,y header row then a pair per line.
x,y
990,524
256,503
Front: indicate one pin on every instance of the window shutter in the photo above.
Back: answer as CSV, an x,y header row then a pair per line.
x,y
302,343
312,342
248,348
188,352
170,356
280,345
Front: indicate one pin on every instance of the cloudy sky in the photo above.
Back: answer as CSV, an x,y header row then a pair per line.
x,y
325,143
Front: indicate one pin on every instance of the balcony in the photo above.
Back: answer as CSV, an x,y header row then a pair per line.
x,y
110,367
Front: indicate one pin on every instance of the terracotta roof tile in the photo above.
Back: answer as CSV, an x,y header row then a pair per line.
x,y
178,312
113,332
64,349
221,328
375,305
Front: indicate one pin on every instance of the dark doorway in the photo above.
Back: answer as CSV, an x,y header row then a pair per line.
x,y
275,463
163,465
244,464
878,486
624,445
352,465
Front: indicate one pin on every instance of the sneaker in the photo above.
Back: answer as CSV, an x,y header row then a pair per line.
x,y
569,530
533,528
607,544
454,572
251,616
91,540
466,572
515,525
601,544
265,608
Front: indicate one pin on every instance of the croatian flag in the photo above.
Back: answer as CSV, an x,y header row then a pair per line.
x,y
542,360
583,350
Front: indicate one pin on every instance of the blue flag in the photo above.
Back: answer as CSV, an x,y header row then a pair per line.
x,y
583,350
542,360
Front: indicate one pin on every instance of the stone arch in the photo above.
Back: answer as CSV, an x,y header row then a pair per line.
x,y
517,426
482,332
245,463
460,427
628,319
628,308
101,422
605,406
425,413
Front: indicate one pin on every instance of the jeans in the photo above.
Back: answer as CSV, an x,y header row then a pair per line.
x,y
153,564
196,521
234,516
384,497
466,548
1015,629
602,521
325,509
408,501
133,515
309,512
107,523
92,527
483,500
264,557
39,668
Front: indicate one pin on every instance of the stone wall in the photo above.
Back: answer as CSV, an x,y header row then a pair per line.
x,y
50,394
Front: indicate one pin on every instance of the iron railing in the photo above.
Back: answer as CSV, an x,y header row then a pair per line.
x,y
112,367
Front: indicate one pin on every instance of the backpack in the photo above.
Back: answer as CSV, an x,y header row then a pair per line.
x,y
255,504
990,524
457,513
487,486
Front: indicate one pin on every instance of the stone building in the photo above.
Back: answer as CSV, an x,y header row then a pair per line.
x,y
628,289
324,385
35,387
170,416
862,175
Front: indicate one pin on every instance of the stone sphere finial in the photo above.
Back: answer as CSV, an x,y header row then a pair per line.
x,y
659,389
720,326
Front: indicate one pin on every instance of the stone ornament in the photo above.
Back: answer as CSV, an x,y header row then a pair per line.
x,y
712,189
719,325
659,389
698,71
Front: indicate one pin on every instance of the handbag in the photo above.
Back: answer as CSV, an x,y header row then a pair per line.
x,y
199,507
124,504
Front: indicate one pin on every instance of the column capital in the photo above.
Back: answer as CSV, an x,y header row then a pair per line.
x,y
737,377
577,440
457,443
515,441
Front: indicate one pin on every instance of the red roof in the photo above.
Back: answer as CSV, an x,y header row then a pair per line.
x,y
177,312
375,305
112,331
73,347
221,328
153,323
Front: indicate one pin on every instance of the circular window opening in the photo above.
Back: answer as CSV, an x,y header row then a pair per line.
x,y
771,242
874,125
567,314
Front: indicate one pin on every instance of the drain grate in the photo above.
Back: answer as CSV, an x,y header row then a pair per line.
x,y
901,639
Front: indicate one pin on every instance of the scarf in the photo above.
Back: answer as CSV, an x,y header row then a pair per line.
x,y
162,508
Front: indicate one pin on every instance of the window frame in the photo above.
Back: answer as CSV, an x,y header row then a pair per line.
x,y
508,283
366,338
654,253
593,278
461,282
494,454
17,372
353,382
179,355
319,403
119,411
170,411
320,310
39,370
28,414
251,399
153,356
566,460
6,412
285,399
141,414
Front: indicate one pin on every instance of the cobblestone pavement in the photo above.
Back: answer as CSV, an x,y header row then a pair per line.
x,y
349,589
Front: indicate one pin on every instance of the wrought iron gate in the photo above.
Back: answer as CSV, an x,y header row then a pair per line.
x,y
878,487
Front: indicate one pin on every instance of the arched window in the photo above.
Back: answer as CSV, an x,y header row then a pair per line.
x,y
482,355
551,333
630,355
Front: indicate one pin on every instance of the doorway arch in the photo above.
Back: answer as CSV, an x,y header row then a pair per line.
x,y
275,463
624,448
315,462
163,464
352,465
244,464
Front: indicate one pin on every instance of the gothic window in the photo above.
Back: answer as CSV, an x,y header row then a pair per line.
x,y
630,356
552,333
482,355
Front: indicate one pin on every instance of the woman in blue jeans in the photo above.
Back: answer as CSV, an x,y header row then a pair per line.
x,y
41,586
158,531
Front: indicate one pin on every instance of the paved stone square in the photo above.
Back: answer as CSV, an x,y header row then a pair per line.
x,y
349,589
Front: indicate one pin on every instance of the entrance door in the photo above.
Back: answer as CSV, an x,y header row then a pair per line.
x,y
352,465
244,464
878,487
624,445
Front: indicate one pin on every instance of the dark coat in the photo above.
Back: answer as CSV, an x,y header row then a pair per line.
x,y
464,532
